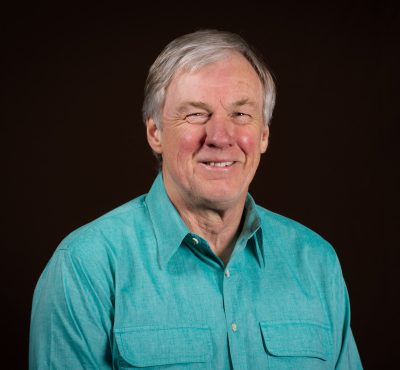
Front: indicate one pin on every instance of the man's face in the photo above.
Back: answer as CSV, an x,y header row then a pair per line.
x,y
212,134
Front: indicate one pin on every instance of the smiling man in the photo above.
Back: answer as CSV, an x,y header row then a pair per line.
x,y
194,274
211,138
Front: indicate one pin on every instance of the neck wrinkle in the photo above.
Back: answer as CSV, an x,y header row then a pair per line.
x,y
219,229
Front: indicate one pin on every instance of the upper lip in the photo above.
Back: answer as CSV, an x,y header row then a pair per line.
x,y
206,160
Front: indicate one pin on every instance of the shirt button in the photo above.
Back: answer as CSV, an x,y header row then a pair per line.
x,y
227,273
234,327
195,241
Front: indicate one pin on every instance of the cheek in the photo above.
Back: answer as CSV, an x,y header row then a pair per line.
x,y
189,141
183,143
248,142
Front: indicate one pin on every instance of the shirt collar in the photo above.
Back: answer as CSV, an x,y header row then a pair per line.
x,y
170,230
168,226
252,228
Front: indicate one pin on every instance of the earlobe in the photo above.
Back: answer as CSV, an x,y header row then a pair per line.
x,y
154,136
264,140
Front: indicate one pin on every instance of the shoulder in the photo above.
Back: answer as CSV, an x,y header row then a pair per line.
x,y
293,240
106,234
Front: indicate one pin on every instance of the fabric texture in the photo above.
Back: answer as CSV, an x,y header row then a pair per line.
x,y
136,289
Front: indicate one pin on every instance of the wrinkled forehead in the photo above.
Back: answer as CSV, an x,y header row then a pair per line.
x,y
196,65
230,82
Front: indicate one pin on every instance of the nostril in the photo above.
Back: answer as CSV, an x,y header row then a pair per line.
x,y
218,138
218,142
219,132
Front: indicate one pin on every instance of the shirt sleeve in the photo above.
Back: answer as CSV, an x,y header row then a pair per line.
x,y
347,357
72,314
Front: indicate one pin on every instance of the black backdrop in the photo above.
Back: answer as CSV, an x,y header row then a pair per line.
x,y
74,145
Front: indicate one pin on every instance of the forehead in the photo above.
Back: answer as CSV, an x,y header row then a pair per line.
x,y
232,75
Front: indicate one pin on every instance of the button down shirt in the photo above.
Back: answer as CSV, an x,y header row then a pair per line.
x,y
136,289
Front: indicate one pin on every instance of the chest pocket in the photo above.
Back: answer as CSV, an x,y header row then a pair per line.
x,y
296,345
156,347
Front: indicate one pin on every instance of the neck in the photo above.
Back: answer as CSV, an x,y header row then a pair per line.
x,y
220,227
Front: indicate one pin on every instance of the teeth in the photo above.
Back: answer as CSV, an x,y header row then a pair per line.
x,y
220,164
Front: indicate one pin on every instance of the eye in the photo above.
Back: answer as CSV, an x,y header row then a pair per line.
x,y
241,117
197,117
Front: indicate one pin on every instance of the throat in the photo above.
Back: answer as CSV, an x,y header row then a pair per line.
x,y
221,233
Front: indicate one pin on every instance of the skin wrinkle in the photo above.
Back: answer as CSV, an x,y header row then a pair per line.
x,y
211,199
184,109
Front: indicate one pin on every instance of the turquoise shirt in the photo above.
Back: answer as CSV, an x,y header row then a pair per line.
x,y
136,289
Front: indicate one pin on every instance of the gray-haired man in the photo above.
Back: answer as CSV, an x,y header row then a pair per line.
x,y
194,274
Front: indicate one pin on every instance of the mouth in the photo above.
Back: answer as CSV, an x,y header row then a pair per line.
x,y
219,164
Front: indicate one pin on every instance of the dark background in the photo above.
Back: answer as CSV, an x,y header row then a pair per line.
x,y
74,146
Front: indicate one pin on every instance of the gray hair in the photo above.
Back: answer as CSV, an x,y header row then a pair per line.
x,y
191,52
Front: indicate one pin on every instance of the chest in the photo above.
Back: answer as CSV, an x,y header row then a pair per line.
x,y
196,314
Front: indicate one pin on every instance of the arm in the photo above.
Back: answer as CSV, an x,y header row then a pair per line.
x,y
345,346
72,314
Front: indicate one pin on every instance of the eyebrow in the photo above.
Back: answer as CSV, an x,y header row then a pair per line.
x,y
205,106
193,104
244,101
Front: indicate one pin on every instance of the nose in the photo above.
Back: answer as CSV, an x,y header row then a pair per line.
x,y
219,132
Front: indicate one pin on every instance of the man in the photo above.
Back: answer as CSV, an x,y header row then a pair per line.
x,y
194,274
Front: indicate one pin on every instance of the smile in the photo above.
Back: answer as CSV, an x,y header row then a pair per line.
x,y
219,164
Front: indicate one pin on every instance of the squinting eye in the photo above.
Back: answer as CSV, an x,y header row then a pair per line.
x,y
241,117
197,117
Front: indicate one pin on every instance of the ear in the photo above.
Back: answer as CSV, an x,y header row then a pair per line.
x,y
154,136
264,139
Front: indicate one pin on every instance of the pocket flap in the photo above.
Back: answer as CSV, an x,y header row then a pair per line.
x,y
152,346
296,339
